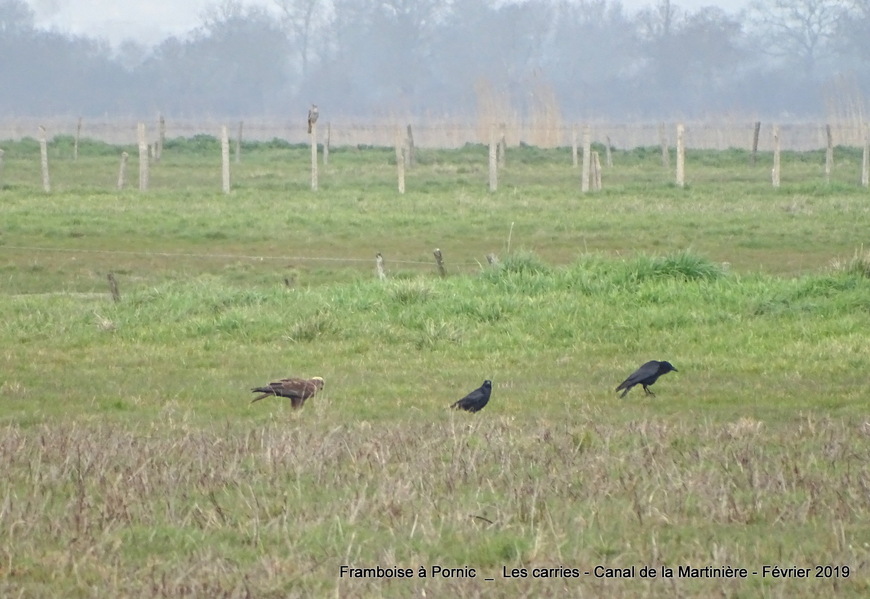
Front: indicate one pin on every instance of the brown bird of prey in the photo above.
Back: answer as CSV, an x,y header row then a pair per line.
x,y
312,116
297,390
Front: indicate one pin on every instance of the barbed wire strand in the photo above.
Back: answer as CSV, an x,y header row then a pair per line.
x,y
220,256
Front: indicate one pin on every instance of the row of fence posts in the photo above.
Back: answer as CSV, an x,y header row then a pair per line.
x,y
590,167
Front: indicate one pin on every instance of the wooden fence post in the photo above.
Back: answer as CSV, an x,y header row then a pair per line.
x,y
829,154
774,174
755,135
312,138
595,172
663,140
76,143
161,137
502,145
493,161
865,162
492,259
122,171
143,158
1,168
326,144
681,156
239,142
43,155
607,153
574,160
400,160
439,261
113,287
225,159
411,154
587,159
379,265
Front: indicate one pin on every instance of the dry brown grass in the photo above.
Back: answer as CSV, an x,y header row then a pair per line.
x,y
92,509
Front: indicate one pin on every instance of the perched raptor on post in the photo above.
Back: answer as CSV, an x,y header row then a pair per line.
x,y
312,116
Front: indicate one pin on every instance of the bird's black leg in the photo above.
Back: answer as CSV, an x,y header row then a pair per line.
x,y
648,392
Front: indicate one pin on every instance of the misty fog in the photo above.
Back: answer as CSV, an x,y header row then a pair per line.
x,y
456,59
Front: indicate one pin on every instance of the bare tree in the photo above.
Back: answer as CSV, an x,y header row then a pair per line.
x,y
301,19
801,29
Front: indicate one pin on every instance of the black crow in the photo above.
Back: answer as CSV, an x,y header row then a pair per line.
x,y
476,400
296,390
646,375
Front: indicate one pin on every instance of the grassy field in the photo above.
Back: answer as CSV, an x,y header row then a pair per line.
x,y
134,466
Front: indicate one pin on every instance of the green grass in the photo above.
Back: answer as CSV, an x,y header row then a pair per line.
x,y
134,466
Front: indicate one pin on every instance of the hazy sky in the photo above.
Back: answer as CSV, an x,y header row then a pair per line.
x,y
150,21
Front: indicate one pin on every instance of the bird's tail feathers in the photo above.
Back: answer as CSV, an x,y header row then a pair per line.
x,y
266,392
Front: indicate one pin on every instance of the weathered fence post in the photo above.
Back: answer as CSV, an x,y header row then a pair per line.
x,y
239,142
865,162
76,142
663,140
755,135
829,154
43,155
492,259
1,168
493,161
502,145
439,261
400,160
113,287
574,160
143,158
326,144
774,174
161,137
595,173
681,156
379,265
122,171
587,159
225,159
608,153
411,154
312,137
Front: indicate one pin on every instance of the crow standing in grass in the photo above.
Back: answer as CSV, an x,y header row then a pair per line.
x,y
296,390
646,375
476,400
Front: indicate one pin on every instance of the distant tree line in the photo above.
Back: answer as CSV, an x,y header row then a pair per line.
x,y
584,58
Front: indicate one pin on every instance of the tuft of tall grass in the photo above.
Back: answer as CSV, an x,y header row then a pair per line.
x,y
857,265
684,265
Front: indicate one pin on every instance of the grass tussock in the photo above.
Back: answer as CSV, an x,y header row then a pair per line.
x,y
857,265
